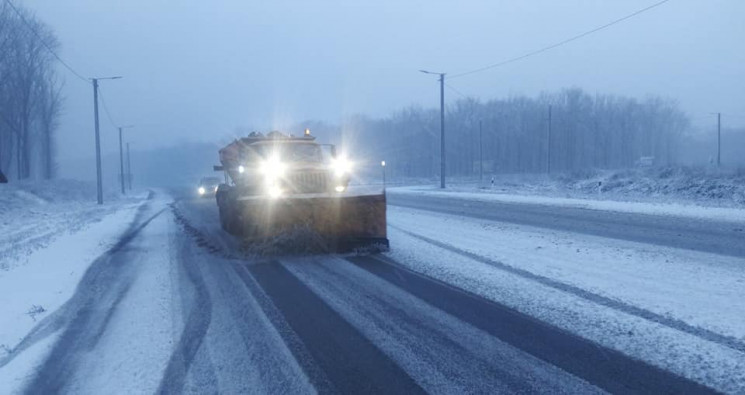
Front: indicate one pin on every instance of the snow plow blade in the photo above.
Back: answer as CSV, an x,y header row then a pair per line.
x,y
344,222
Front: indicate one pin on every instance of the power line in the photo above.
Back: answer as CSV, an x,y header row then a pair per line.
x,y
560,43
455,90
44,43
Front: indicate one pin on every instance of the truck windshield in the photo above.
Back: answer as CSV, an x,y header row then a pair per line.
x,y
307,153
209,181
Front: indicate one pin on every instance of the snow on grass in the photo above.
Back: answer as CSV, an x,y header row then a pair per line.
x,y
33,214
704,291
702,186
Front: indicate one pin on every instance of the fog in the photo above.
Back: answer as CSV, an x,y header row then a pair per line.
x,y
197,71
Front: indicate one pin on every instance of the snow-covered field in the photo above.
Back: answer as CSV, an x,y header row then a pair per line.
x,y
680,310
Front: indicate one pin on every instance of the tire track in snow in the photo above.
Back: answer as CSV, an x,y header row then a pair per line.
x,y
350,361
86,315
195,327
702,333
610,370
65,313
441,352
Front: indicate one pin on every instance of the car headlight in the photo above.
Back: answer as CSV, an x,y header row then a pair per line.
x,y
340,188
201,190
341,166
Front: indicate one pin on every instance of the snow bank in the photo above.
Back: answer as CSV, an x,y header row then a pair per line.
x,y
33,214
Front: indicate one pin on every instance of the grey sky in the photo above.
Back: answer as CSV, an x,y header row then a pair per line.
x,y
195,70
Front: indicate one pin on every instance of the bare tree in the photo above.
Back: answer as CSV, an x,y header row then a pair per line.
x,y
600,131
30,95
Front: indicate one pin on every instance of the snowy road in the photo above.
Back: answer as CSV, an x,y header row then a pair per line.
x,y
721,237
177,306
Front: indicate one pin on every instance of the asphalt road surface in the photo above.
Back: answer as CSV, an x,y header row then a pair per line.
x,y
341,324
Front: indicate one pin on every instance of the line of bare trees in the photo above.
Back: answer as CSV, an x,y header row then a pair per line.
x,y
587,131
30,95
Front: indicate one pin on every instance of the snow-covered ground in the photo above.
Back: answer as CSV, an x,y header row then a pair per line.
x,y
33,214
680,310
49,234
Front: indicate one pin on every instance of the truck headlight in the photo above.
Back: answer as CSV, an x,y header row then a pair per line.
x,y
341,166
201,190
274,191
272,168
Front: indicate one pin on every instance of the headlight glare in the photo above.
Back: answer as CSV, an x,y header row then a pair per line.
x,y
341,166
275,191
201,190
272,167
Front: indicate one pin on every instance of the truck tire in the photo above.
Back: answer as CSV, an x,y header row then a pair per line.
x,y
227,206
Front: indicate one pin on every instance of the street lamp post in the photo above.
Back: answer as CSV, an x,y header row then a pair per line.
x,y
121,156
442,125
99,186
129,170
719,139
382,164
481,157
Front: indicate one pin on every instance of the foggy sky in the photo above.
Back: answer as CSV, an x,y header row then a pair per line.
x,y
195,70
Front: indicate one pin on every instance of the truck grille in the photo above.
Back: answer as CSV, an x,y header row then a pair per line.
x,y
308,182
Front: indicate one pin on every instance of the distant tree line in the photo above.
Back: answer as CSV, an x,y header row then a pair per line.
x,y
587,131
30,98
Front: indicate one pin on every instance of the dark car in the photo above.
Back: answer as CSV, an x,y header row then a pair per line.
x,y
208,186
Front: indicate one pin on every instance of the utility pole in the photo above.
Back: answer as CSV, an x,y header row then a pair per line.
x,y
442,126
548,148
481,156
719,139
99,188
382,165
121,159
442,130
121,156
99,185
129,170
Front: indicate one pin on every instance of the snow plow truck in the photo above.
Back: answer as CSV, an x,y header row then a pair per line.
x,y
278,183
